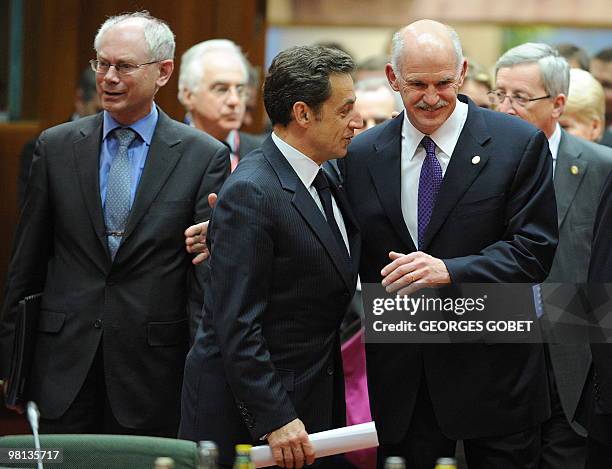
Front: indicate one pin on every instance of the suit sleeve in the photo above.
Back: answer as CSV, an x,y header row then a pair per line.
x,y
242,258
216,173
527,247
31,250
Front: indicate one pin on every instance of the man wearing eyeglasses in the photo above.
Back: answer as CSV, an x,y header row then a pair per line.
x,y
213,83
101,236
532,82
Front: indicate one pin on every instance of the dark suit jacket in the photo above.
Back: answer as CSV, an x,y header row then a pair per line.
x,y
600,271
268,348
493,222
248,143
575,193
135,306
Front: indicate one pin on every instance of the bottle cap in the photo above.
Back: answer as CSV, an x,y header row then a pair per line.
x,y
243,448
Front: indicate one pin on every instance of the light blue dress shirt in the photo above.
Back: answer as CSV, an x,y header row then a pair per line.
x,y
137,151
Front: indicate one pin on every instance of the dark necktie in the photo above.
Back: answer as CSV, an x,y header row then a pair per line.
x,y
429,186
321,184
118,191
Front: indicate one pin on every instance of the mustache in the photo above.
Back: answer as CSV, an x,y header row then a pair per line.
x,y
426,107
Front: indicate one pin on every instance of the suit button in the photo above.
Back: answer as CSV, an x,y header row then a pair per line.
x,y
98,323
330,370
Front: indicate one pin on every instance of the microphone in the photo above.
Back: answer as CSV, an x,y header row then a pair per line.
x,y
33,417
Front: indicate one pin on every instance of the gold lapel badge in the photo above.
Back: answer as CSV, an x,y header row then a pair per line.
x,y
476,159
574,170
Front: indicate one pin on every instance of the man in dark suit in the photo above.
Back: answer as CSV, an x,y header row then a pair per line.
x,y
580,167
599,401
101,236
452,193
266,362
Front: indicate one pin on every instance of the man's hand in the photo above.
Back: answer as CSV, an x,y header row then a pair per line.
x,y
411,272
20,409
195,236
290,445
195,242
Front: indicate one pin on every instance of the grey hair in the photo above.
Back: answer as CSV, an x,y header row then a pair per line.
x,y
554,69
158,35
374,84
398,43
193,63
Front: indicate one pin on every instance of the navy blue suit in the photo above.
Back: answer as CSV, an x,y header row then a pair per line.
x,y
268,347
494,221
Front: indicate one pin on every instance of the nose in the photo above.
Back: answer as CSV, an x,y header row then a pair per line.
x,y
506,106
357,122
111,75
431,97
233,96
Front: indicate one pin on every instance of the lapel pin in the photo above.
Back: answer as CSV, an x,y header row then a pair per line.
x,y
574,170
476,159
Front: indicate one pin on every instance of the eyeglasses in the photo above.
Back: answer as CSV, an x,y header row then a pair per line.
x,y
124,68
222,90
497,97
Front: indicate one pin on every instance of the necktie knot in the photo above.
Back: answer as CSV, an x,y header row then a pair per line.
x,y
125,136
429,145
320,182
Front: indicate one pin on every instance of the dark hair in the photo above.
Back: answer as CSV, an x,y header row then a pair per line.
x,y
605,55
572,51
87,84
301,73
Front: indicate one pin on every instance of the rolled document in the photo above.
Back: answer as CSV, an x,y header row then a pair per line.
x,y
327,443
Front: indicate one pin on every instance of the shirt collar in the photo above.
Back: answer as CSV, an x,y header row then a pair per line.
x,y
445,137
305,168
144,127
554,140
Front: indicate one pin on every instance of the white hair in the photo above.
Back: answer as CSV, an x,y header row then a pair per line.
x,y
193,63
158,35
554,69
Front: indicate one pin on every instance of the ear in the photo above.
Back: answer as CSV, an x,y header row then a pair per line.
x,y
391,77
302,113
558,105
464,68
188,99
165,71
597,129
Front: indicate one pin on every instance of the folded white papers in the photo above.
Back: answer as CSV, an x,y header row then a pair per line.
x,y
327,443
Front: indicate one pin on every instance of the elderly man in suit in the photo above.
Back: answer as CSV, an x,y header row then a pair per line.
x,y
266,361
532,82
448,192
213,87
101,236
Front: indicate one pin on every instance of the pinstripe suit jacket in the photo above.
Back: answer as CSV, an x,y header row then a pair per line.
x,y
268,350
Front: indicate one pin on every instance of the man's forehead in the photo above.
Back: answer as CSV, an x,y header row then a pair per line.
x,y
223,67
520,76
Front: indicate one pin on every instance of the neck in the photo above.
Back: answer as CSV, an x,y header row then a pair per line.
x,y
297,139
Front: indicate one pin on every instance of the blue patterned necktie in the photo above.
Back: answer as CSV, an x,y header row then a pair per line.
x,y
118,190
429,186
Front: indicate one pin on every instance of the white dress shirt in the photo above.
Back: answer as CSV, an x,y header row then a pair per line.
x,y
307,170
413,155
553,145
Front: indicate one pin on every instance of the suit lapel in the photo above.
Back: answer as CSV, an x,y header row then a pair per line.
x,y
161,160
461,171
385,168
306,206
569,171
86,154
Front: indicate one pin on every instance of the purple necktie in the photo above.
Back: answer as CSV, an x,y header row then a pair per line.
x,y
429,186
